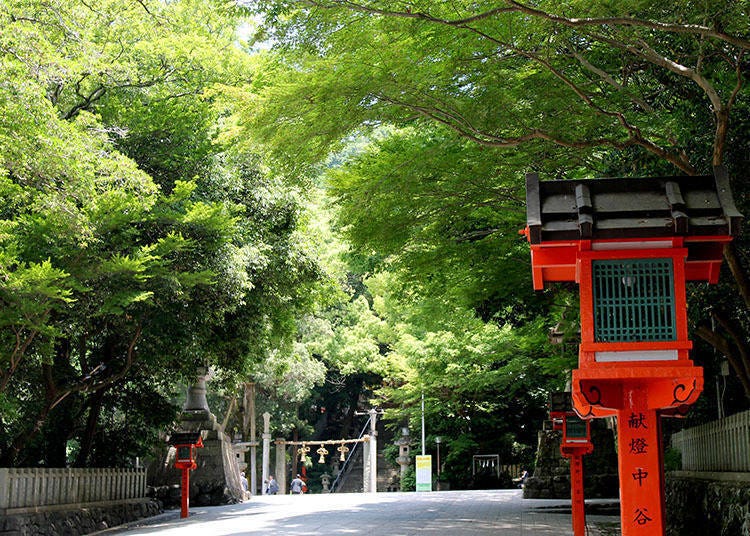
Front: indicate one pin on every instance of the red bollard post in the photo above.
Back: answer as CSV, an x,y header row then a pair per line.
x,y
576,443
185,492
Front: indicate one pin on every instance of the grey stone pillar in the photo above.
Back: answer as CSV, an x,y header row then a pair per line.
x,y
266,449
253,484
281,464
366,465
373,451
250,408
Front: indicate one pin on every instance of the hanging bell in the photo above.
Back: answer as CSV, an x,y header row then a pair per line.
x,y
343,449
303,450
323,452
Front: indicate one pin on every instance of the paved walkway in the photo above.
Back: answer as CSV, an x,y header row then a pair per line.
x,y
446,513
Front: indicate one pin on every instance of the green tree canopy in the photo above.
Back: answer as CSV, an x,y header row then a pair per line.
x,y
135,245
571,89
565,78
436,110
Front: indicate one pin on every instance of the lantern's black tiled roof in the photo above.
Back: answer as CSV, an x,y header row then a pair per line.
x,y
631,208
184,438
560,402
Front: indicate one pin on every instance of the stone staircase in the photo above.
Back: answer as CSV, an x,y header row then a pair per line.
x,y
388,475
351,480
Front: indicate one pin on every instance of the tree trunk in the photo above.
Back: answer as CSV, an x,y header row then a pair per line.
x,y
248,415
738,272
54,395
720,136
228,415
92,421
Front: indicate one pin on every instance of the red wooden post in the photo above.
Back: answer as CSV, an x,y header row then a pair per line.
x,y
641,473
577,503
185,492
574,445
631,245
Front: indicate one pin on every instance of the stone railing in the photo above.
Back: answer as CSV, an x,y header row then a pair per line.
x,y
719,446
27,490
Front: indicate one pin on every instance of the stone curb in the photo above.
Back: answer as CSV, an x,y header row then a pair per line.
x,y
171,515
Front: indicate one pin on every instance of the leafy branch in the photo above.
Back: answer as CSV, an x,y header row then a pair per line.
x,y
638,48
518,7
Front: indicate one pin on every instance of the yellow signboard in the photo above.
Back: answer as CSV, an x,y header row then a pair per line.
x,y
424,473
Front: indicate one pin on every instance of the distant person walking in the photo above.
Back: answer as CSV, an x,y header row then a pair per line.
x,y
245,491
296,485
273,486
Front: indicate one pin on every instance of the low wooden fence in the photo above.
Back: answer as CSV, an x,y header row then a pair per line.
x,y
719,446
514,470
39,489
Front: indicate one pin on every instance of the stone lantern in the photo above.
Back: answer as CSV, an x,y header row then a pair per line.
x,y
217,480
325,480
403,442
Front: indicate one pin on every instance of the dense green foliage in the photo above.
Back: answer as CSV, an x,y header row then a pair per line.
x,y
330,211
136,245
436,111
574,79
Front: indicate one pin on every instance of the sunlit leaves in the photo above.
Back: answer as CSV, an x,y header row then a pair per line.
x,y
126,233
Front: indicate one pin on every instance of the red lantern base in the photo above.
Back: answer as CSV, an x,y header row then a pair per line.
x,y
638,396
641,472
185,493
577,502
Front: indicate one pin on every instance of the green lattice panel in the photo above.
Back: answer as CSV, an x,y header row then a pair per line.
x,y
634,300
575,428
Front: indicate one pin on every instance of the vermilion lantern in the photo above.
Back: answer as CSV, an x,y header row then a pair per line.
x,y
631,245
574,445
185,457
576,432
185,444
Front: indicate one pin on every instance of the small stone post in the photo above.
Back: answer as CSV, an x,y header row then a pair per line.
x,y
281,464
366,465
373,451
266,449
